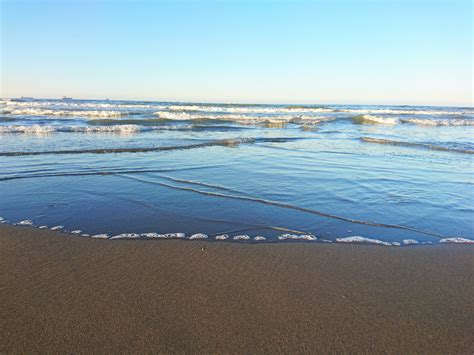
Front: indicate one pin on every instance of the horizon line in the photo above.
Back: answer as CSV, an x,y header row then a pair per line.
x,y
471,105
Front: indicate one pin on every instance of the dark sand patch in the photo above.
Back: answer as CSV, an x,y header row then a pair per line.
x,y
62,293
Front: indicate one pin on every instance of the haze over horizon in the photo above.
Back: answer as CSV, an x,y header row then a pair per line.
x,y
300,52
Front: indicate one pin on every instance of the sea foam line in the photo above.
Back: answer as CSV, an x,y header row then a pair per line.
x,y
239,237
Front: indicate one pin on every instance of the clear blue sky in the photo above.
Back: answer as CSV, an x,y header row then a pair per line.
x,y
379,52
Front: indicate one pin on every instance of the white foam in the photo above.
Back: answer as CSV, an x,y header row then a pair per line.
x,y
439,122
241,237
100,236
74,104
33,129
244,119
164,236
47,129
410,241
297,237
407,112
43,227
47,112
77,231
222,237
457,240
259,238
85,235
376,119
26,222
357,239
199,236
126,236
55,228
247,109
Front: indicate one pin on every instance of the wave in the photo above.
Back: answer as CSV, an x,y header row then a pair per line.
x,y
247,109
438,122
370,119
415,145
74,104
290,206
395,111
76,113
269,121
222,143
45,129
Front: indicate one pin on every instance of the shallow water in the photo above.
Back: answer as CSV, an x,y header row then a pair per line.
x,y
387,173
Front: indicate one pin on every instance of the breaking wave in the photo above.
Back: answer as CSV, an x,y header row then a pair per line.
x,y
242,118
399,111
370,119
248,109
77,113
438,122
45,129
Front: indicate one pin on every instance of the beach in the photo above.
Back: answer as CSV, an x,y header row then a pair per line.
x,y
62,293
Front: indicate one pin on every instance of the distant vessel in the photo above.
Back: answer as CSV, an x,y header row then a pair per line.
x,y
67,98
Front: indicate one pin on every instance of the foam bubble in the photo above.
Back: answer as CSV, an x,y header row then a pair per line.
x,y
357,239
241,237
26,222
164,236
81,113
199,236
100,236
33,129
77,231
48,129
247,109
406,112
297,237
259,238
43,227
409,241
55,228
126,236
439,122
457,240
222,237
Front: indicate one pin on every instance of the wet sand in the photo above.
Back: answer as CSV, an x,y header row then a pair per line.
x,y
62,293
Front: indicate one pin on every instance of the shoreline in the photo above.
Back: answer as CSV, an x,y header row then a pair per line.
x,y
65,294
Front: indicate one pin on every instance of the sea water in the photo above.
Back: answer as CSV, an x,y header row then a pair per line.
x,y
390,175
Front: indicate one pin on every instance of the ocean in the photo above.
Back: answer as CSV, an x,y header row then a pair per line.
x,y
388,175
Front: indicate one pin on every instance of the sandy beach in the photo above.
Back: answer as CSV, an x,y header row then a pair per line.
x,y
70,294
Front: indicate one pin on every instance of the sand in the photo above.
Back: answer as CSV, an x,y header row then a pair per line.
x,y
61,293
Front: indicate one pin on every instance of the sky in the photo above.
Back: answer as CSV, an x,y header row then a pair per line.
x,y
343,52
